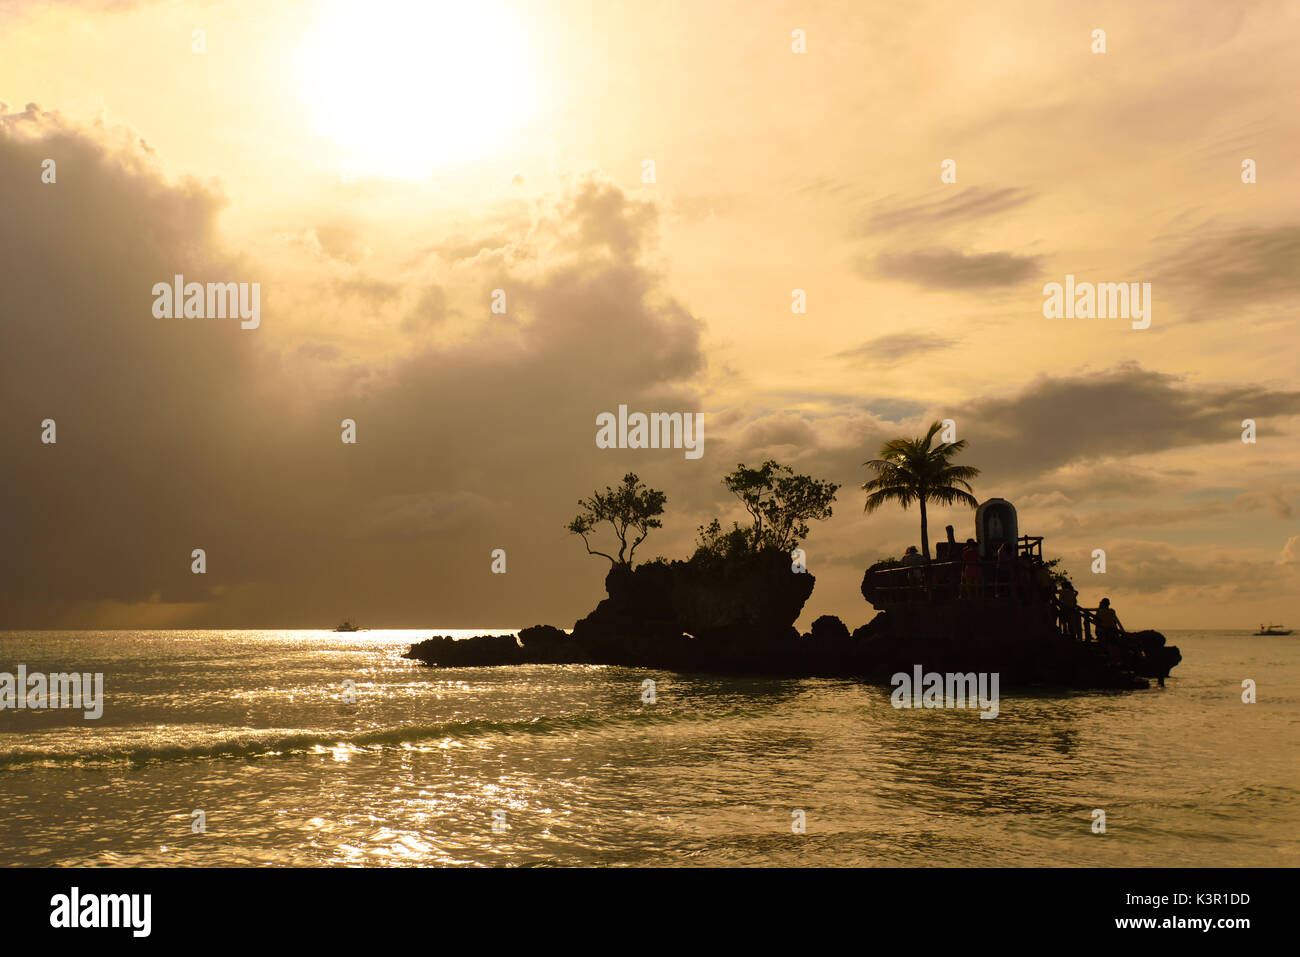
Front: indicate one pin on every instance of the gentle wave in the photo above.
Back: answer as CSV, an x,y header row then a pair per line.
x,y
252,743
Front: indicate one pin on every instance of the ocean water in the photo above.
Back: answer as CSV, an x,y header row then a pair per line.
x,y
573,768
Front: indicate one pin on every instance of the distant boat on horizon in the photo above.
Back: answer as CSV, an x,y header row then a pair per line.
x,y
1273,630
348,625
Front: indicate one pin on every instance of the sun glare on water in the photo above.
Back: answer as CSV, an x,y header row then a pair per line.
x,y
405,88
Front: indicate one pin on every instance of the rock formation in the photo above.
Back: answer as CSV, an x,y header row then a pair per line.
x,y
737,615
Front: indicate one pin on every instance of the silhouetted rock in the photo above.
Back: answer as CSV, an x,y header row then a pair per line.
x,y
545,644
877,625
1158,658
469,652
737,616
706,614
828,628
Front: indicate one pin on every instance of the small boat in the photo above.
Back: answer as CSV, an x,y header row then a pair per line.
x,y
1273,630
348,625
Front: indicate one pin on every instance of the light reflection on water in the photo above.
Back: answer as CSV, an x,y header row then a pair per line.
x,y
250,727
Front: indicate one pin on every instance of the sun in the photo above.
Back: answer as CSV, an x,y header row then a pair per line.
x,y
405,88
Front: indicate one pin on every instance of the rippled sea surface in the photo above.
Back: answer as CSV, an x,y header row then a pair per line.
x,y
251,728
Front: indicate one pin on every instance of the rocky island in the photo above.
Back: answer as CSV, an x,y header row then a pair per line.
x,y
991,605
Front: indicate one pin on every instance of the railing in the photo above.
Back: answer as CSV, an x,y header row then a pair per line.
x,y
1072,619
947,580
1014,581
1030,546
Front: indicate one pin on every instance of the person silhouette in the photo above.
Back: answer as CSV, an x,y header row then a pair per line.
x,y
1108,624
972,575
1003,578
1069,610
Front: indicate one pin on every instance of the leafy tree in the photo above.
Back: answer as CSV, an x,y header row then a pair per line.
x,y
780,502
1059,575
913,470
715,543
630,510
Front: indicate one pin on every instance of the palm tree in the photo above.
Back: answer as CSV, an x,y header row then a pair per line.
x,y
909,470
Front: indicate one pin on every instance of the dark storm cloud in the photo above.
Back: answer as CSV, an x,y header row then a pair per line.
x,y
175,434
135,398
1216,274
1091,424
1124,411
952,269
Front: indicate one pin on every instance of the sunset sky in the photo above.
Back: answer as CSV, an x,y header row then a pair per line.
x,y
380,168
